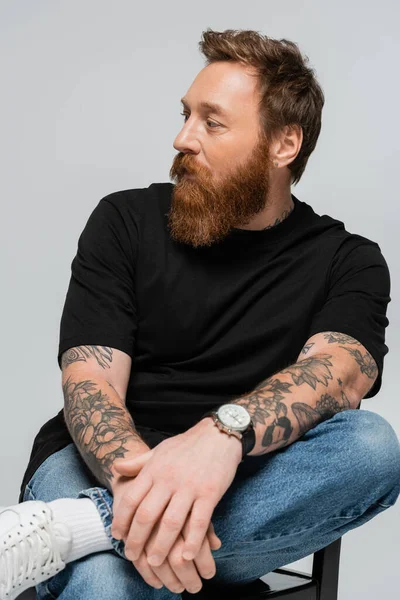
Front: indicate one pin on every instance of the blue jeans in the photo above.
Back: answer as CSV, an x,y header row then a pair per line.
x,y
280,507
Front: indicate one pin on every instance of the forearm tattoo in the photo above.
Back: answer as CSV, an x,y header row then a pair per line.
x,y
327,406
311,370
265,404
100,429
270,402
102,354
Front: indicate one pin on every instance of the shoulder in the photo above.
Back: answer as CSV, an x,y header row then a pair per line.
x,y
344,242
138,199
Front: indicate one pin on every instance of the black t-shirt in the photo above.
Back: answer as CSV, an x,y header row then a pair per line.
x,y
206,325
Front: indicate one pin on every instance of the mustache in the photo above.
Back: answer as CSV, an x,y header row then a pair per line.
x,y
183,165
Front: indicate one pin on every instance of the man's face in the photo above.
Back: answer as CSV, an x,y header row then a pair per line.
x,y
227,161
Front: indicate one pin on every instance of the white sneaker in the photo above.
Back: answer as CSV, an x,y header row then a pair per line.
x,y
33,547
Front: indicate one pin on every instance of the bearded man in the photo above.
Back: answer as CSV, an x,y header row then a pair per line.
x,y
217,338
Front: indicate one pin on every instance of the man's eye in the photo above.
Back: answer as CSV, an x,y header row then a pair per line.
x,y
208,121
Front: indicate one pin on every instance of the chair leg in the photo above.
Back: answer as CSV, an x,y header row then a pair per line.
x,y
326,570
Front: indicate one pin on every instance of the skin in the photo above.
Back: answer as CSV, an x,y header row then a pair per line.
x,y
95,414
235,181
280,418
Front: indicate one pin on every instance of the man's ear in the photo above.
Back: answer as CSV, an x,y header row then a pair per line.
x,y
287,144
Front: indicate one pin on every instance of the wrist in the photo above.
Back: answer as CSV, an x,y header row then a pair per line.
x,y
208,427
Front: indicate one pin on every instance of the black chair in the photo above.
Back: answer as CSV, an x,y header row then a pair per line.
x,y
322,584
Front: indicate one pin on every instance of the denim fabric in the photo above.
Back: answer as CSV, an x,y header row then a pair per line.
x,y
280,507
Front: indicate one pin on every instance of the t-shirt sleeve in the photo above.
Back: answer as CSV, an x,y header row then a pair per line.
x,y
358,292
100,307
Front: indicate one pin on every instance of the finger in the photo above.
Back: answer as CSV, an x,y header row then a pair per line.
x,y
171,525
146,571
146,516
126,509
205,562
198,525
127,465
184,570
215,543
213,539
164,572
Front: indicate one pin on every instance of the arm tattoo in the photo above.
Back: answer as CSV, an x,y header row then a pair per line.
x,y
264,402
82,353
98,427
308,417
311,370
267,406
366,363
332,337
270,402
307,347
340,338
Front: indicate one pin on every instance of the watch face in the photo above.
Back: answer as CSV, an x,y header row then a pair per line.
x,y
234,416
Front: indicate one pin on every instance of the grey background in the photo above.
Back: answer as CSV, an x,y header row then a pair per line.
x,y
89,105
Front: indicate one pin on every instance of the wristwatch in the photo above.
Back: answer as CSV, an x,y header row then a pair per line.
x,y
234,419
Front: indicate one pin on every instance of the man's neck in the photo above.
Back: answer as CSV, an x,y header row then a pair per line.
x,y
283,216
279,208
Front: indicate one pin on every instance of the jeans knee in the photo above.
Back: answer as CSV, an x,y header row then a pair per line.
x,y
373,446
99,575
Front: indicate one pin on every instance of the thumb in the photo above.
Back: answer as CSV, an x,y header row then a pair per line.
x,y
133,463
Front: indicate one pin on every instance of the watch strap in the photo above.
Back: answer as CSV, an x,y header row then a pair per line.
x,y
248,437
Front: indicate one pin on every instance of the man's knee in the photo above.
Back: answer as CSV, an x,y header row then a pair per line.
x,y
99,575
62,475
373,448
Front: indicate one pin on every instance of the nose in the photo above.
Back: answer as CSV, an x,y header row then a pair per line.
x,y
186,142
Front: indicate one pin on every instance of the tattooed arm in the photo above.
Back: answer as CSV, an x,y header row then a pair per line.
x,y
333,373
94,380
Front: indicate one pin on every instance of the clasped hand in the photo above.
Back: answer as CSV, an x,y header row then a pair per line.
x,y
177,486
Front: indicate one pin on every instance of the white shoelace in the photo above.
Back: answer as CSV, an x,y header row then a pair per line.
x,y
23,555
